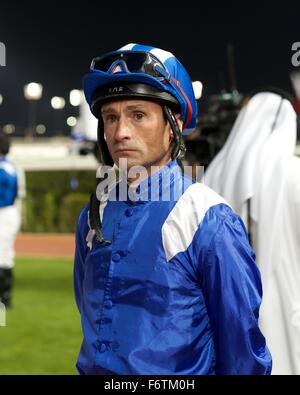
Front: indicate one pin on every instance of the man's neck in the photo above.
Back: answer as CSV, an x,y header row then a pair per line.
x,y
150,170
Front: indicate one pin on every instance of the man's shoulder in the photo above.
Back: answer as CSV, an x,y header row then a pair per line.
x,y
198,210
212,209
198,199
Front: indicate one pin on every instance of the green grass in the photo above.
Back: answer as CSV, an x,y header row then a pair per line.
x,y
43,332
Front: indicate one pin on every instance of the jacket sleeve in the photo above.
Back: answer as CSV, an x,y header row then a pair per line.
x,y
80,254
233,291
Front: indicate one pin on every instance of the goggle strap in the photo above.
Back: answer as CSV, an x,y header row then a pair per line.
x,y
170,80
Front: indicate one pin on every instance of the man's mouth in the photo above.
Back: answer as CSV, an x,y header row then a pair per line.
x,y
124,150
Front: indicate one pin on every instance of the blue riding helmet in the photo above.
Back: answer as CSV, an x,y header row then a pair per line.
x,y
146,65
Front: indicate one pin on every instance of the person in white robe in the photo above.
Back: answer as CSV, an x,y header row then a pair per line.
x,y
257,173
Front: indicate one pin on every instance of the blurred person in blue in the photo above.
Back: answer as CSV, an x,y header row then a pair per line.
x,y
9,221
163,286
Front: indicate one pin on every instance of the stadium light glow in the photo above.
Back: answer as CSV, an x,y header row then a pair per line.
x,y
33,91
76,97
71,121
197,86
58,103
9,128
40,129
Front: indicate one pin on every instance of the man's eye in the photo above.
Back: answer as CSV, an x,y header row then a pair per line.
x,y
110,118
138,115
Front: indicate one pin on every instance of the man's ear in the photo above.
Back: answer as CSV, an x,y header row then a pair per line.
x,y
179,121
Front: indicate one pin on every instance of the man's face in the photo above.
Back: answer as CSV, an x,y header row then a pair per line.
x,y
136,130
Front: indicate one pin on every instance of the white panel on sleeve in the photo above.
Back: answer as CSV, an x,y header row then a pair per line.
x,y
8,168
183,221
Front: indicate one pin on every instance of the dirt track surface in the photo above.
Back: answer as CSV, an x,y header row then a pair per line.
x,y
45,245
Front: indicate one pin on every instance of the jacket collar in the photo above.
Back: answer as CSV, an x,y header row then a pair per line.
x,y
158,186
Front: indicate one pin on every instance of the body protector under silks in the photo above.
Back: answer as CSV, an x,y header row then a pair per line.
x,y
140,72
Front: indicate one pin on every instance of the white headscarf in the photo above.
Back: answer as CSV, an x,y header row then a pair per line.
x,y
251,166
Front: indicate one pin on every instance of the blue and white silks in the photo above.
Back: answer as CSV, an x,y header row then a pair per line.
x,y
177,292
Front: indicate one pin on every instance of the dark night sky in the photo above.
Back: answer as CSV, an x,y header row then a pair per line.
x,y
53,43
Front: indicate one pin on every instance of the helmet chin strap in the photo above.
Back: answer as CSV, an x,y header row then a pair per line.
x,y
95,220
94,212
178,153
106,159
179,149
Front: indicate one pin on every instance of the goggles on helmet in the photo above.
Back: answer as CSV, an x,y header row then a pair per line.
x,y
128,61
134,62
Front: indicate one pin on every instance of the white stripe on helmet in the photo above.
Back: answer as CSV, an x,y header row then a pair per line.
x,y
127,47
161,54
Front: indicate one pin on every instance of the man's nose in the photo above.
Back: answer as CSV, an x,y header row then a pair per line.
x,y
123,130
